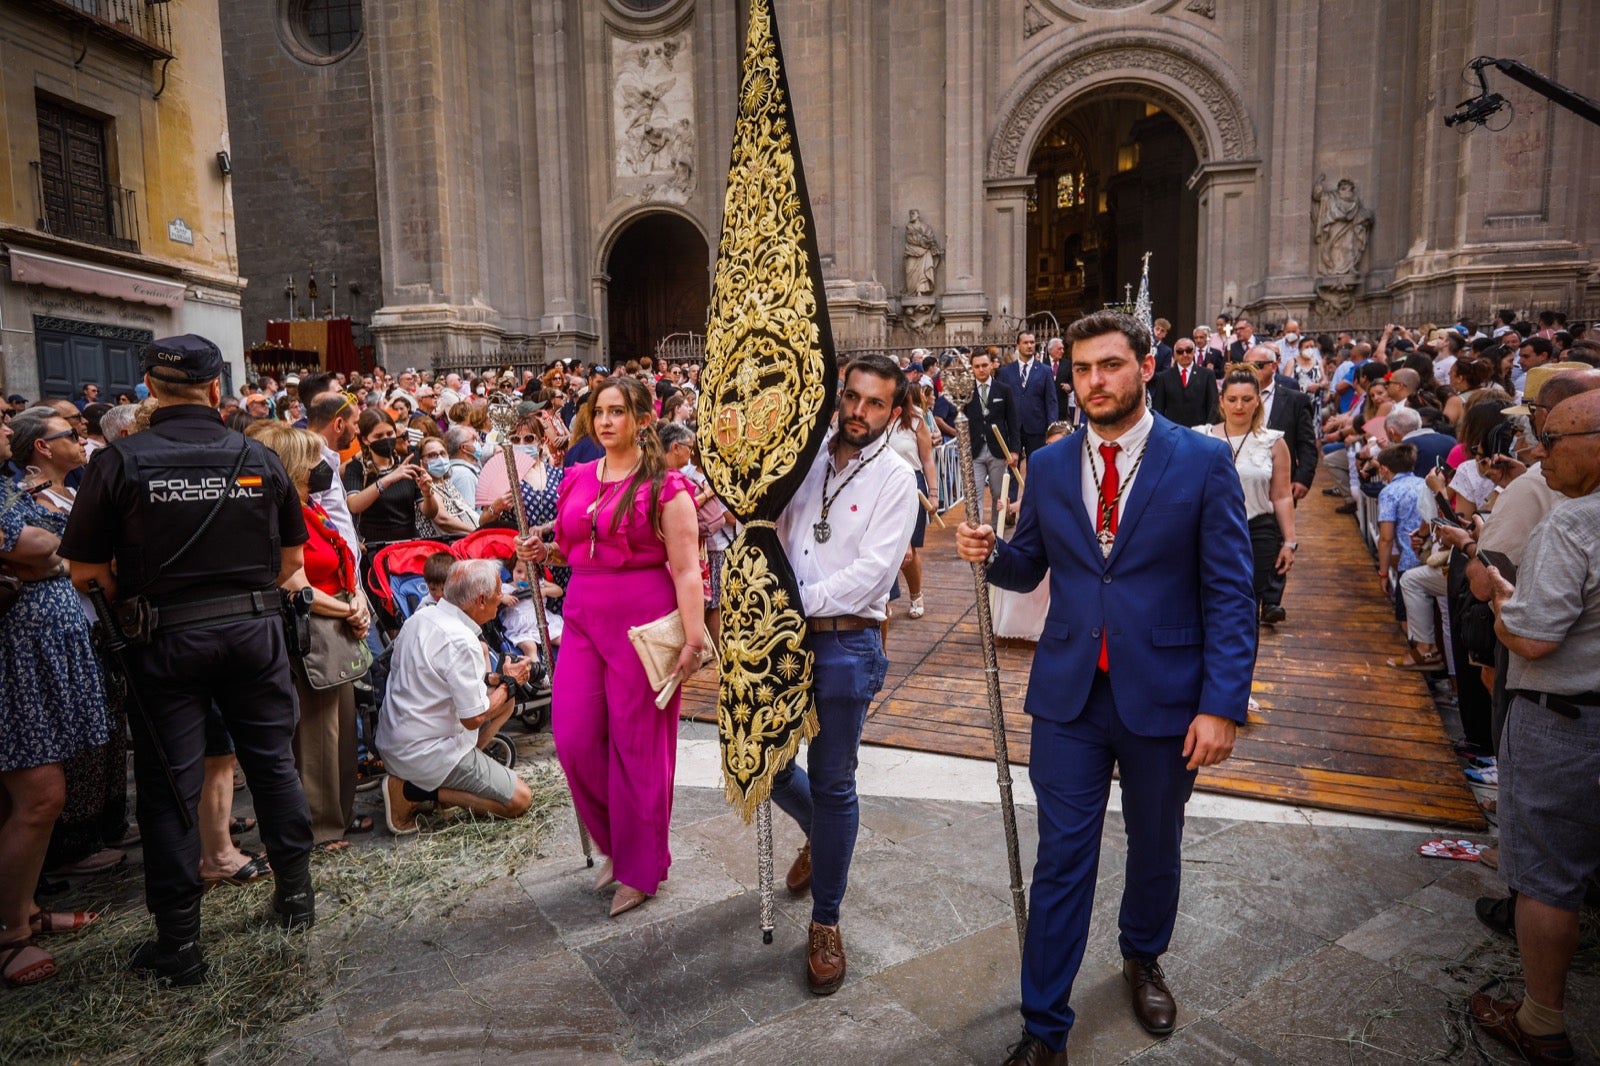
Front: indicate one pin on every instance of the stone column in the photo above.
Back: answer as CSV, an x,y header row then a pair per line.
x,y
1006,218
965,304
568,325
424,132
1227,265
1293,99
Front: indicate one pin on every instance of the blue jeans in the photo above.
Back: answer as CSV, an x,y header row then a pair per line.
x,y
848,672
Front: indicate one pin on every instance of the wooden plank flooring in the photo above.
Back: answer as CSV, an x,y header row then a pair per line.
x,y
1338,729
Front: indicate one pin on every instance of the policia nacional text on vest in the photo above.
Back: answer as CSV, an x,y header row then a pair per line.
x,y
198,520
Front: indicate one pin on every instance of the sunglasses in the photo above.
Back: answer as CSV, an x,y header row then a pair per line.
x,y
1548,440
58,436
531,438
1259,362
1183,348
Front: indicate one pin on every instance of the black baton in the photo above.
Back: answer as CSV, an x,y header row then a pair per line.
x,y
117,645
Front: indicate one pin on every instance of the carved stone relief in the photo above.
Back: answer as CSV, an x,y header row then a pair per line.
x,y
1234,135
1206,8
1033,20
653,117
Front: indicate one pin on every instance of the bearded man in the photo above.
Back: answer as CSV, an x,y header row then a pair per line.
x,y
1144,663
846,533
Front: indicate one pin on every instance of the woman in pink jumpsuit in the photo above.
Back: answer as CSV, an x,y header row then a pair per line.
x,y
626,525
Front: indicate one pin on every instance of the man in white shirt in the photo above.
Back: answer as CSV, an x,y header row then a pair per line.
x,y
845,532
332,416
442,709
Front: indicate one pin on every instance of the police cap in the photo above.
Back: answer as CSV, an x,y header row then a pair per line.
x,y
188,358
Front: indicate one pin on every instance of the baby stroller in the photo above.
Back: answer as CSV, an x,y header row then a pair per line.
x,y
396,580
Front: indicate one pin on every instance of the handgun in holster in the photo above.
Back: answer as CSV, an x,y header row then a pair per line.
x,y
297,620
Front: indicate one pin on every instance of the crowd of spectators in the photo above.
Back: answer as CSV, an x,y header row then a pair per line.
x,y
376,459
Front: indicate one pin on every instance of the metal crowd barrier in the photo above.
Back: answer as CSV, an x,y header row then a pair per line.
x,y
947,465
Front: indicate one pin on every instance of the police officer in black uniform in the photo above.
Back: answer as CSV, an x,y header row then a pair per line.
x,y
203,527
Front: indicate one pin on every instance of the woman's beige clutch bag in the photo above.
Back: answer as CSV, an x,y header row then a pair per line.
x,y
659,644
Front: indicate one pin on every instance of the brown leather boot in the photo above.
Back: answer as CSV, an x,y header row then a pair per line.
x,y
825,959
799,879
1152,1001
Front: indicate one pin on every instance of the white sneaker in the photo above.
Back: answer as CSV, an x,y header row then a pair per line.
x,y
916,610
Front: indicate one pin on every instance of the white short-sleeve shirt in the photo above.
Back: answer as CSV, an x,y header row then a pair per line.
x,y
435,680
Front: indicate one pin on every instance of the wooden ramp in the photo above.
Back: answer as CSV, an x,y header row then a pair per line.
x,y
1338,729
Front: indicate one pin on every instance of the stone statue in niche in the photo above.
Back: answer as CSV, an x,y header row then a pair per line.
x,y
923,255
1341,228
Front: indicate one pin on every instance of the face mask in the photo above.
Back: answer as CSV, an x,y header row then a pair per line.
x,y
384,448
483,451
1292,338
320,479
530,450
438,467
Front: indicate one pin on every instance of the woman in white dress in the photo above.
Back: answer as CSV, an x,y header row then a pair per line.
x,y
1262,459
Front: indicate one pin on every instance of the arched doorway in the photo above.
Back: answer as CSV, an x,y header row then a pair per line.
x,y
1111,184
660,284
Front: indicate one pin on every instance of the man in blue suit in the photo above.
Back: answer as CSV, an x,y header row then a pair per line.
x,y
1144,663
1033,384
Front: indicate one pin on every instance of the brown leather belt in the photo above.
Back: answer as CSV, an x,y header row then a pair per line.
x,y
844,623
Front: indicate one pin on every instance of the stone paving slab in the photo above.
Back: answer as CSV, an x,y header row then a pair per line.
x,y
1294,944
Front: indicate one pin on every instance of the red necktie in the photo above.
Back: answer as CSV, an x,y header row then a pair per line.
x,y
1108,519
1186,377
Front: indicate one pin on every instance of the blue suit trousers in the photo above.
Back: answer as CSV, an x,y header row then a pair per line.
x,y
1070,768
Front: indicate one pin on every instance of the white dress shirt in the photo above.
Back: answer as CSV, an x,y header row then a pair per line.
x,y
1268,394
338,507
435,680
1025,367
870,523
1133,443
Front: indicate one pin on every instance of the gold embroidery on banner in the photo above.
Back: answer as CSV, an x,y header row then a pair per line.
x,y
765,706
764,371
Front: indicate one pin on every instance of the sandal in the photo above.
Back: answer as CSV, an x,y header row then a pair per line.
x,y
1414,660
917,609
329,846
61,922
253,870
361,823
241,825
28,973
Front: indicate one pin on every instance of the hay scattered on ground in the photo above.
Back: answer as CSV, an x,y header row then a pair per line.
x,y
261,978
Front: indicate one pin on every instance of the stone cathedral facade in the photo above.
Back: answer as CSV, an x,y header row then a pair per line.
x,y
532,180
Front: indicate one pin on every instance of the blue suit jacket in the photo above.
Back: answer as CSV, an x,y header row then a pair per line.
x,y
1180,622
1035,405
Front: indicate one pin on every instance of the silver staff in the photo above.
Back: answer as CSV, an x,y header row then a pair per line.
x,y
959,387
504,416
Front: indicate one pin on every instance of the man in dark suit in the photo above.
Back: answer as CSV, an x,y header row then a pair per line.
x,y
1184,392
1144,663
992,407
1243,339
1034,387
1292,413
1162,350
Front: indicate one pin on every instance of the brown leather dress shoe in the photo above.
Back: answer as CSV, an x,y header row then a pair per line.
x,y
1152,1001
1498,1018
1032,1051
798,880
825,959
